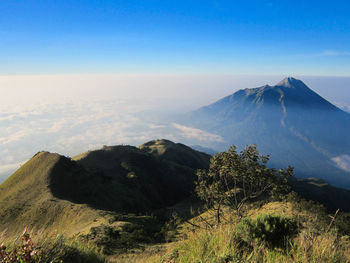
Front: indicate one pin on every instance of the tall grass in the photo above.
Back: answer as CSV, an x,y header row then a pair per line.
x,y
220,246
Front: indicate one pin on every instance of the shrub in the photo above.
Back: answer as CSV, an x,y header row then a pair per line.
x,y
271,231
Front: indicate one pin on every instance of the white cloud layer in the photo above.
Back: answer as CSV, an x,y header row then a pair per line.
x,y
73,114
343,162
193,133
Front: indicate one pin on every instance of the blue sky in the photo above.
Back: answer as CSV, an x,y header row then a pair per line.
x,y
220,37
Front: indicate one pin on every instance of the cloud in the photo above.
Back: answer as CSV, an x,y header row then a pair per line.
x,y
343,162
156,126
193,133
73,114
8,169
334,53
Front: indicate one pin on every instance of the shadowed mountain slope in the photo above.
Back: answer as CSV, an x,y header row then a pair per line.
x,y
315,189
140,176
289,121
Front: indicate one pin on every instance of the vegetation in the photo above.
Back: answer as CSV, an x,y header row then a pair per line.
x,y
268,230
248,213
234,179
306,237
50,250
283,229
24,252
220,245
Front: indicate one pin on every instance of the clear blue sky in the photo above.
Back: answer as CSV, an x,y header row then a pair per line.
x,y
235,37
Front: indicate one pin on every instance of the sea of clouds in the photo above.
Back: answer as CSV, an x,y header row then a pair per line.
x,y
70,114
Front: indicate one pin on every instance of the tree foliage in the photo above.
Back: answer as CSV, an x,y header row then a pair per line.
x,y
236,178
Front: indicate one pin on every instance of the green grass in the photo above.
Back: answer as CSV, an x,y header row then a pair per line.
x,y
315,241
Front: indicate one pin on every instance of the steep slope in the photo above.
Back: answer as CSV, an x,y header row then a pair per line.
x,y
289,121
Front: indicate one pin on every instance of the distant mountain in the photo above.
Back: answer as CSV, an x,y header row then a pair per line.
x,y
289,121
54,193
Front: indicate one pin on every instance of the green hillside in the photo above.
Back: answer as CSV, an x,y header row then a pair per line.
x,y
99,195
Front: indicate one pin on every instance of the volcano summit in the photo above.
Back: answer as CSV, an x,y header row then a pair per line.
x,y
289,121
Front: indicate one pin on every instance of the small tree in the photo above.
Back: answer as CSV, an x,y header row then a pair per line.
x,y
233,179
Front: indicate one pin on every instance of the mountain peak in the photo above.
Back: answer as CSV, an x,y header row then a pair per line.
x,y
291,82
289,79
